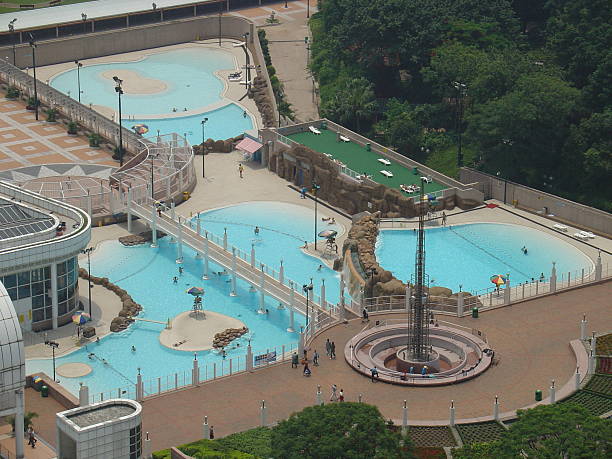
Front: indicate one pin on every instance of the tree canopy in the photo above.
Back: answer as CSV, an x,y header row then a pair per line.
x,y
537,79
339,430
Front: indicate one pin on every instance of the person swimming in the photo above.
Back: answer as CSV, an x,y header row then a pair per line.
x,y
133,348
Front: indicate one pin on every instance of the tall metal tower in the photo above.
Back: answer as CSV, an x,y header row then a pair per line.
x,y
418,316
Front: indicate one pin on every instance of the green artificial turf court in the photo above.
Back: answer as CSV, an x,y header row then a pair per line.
x,y
360,160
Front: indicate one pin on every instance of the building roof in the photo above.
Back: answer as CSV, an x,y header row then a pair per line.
x,y
249,145
18,220
72,13
12,357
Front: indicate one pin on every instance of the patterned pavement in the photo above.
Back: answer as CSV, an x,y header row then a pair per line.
x,y
27,142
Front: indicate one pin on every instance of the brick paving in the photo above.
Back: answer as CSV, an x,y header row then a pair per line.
x,y
26,142
531,339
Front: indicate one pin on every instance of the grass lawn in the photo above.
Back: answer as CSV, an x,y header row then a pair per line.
x,y
445,161
360,160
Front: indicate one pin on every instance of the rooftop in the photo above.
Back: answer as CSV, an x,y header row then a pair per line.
x,y
17,220
99,414
361,160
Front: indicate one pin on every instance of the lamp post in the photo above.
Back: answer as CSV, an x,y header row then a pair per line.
x,y
79,65
307,8
33,45
505,185
461,88
87,252
315,187
119,92
152,156
84,18
53,345
11,27
370,273
307,288
203,140
248,60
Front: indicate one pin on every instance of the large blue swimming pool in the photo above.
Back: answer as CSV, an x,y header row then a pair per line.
x,y
147,273
469,255
190,83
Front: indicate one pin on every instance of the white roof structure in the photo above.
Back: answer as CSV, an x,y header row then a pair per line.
x,y
12,357
40,17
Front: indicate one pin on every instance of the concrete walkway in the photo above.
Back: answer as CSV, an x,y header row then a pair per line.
x,y
531,340
289,52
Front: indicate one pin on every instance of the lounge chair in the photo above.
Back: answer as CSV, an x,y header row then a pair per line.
x,y
560,227
314,130
587,234
386,162
344,139
387,174
581,236
426,179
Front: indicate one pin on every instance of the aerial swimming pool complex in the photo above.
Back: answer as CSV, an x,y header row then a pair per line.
x,y
168,91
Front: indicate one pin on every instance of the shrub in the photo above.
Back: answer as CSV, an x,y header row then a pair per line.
x,y
94,140
12,92
51,115
254,441
72,128
32,103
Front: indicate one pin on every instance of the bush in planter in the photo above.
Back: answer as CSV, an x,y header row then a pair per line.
x,y
94,140
72,128
12,92
116,153
51,115
32,103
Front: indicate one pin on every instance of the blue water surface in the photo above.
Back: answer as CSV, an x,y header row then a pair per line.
x,y
469,255
191,84
146,273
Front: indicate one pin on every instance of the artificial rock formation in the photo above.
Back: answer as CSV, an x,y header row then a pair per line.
x,y
223,338
130,307
141,238
259,93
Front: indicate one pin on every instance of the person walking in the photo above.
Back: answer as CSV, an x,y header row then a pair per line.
x,y
365,315
341,398
334,395
374,372
31,437
294,360
328,347
332,350
212,433
240,170
315,358
443,218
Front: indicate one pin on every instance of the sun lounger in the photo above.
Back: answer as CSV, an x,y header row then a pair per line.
x,y
386,162
344,139
427,179
581,236
314,130
387,174
587,234
560,227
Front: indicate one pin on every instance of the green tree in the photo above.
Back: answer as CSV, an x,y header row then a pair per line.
x,y
400,127
352,104
558,431
522,133
339,430
580,34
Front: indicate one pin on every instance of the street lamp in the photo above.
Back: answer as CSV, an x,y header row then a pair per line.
x,y
371,272
11,27
119,92
79,65
315,187
152,156
84,18
307,288
87,252
461,89
53,345
33,45
307,8
203,140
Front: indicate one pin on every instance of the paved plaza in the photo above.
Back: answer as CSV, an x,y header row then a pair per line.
x,y
27,142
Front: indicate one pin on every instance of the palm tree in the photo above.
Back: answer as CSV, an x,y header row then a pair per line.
x,y
353,103
27,420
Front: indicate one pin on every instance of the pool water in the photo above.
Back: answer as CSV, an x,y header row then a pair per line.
x,y
469,255
190,83
223,123
146,273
